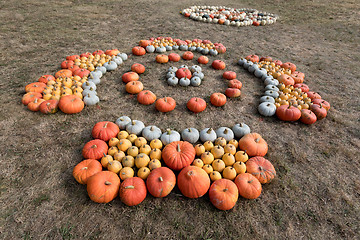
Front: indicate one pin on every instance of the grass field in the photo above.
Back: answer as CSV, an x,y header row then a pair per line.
x,y
317,190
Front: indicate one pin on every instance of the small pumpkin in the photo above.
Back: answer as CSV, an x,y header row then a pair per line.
x,y
49,106
95,149
319,111
218,65
71,104
126,172
215,175
151,132
154,163
188,55
241,156
196,105
103,186
193,182
223,194
134,87
286,79
138,51
174,57
323,103
234,83
146,97
135,127
190,135
218,99
253,144
63,73
178,154
166,104
156,143
207,134
130,77
114,166
122,122
203,60
198,163
160,182
261,168
229,173
248,186
143,172
30,97
239,167
85,169
162,58
35,87
229,75
307,116
288,113
35,105
105,130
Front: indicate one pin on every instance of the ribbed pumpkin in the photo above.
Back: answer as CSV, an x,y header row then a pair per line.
x,y
132,191
85,169
30,96
95,149
223,194
178,154
146,97
248,185
105,130
71,104
49,106
261,168
165,104
288,113
253,144
196,105
134,87
193,182
160,182
103,187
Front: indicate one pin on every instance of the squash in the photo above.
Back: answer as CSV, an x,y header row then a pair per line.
x,y
160,182
223,194
132,191
248,186
193,182
103,186
178,154
253,144
85,169
261,168
105,130
94,149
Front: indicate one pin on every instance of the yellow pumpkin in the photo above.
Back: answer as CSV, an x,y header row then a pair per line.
x,y
199,149
140,141
229,173
156,143
218,165
122,135
207,157
132,138
198,163
208,145
128,161
119,156
155,153
114,166
228,159
239,167
105,160
215,175
142,160
112,151
124,145
143,173
208,168
126,172
229,148
113,142
154,163
241,156
217,151
145,149
133,151
220,141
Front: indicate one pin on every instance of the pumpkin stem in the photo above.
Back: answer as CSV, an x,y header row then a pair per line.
x,y
225,131
161,179
225,189
250,181
209,130
133,122
257,140
129,187
105,126
168,131
190,173
152,128
107,183
189,129
103,153
84,168
178,148
165,99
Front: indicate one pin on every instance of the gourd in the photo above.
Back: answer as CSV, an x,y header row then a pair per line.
x,y
248,186
103,187
190,135
105,130
225,132
195,81
267,99
240,129
160,182
169,136
261,168
151,132
193,182
267,109
223,194
135,127
178,154
123,121
184,82
95,149
132,191
85,169
207,134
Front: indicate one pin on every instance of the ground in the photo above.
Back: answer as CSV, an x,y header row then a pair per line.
x,y
317,190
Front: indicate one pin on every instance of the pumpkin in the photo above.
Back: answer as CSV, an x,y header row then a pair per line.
x,y
248,186
63,73
239,167
193,182
198,163
49,106
130,77
203,60
112,52
218,99
133,151
289,65
319,111
253,58
261,168
307,116
35,87
188,55
132,137
162,58
218,65
215,175
221,140
228,159
232,92
229,75
72,57
98,52
253,144
146,97
105,130
241,156
223,194
229,173
71,104
288,113
298,78
160,182
46,78
114,166
230,148
196,105
138,51
218,165
178,154
234,83
199,149
85,169
313,95
151,132
138,68
126,172
132,191
207,157
35,105
105,160
135,127
286,79
321,102
304,88
95,149
119,156
190,135
165,104
183,73
134,87
234,142
141,160
208,168
30,97
267,109
144,43
103,186
128,161
124,144
81,72
174,57
155,163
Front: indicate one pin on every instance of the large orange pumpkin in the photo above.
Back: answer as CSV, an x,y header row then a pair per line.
x,y
253,144
129,77
223,194
248,185
103,187
35,87
95,149
178,154
193,182
160,182
134,87
261,168
132,191
166,104
138,51
146,97
71,104
30,97
105,130
85,169
63,73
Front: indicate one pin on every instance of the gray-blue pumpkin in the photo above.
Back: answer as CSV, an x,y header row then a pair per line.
x,y
184,66
247,64
242,61
271,87
95,74
95,80
118,60
89,91
150,49
173,81
184,82
271,81
195,68
213,52
193,48
271,93
175,47
151,133
124,56
267,99
135,127
195,81
172,69
91,99
88,84
207,134
205,51
170,74
267,109
252,68
190,134
240,129
259,73
110,66
168,48
199,49
122,122
102,69
198,74
225,132
183,47
170,136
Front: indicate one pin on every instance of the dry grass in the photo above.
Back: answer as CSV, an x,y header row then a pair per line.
x,y
317,191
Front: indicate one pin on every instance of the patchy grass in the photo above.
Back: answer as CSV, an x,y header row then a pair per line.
x,y
316,192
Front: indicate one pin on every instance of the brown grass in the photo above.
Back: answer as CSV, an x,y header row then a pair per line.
x,y
316,193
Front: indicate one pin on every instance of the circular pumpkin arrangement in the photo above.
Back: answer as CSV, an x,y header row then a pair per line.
x,y
74,86
229,16
286,95
128,159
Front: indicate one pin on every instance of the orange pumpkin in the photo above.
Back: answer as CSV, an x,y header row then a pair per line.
x,y
162,58
95,149
46,78
146,97
71,104
235,84
174,57
261,168
49,106
138,68
286,79
203,60
129,77
35,105
35,87
63,73
218,65
134,87
160,182
178,154
193,182
132,191
105,130
138,51
103,187
165,104
188,55
253,144
30,97
85,169
249,186
223,194
218,99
